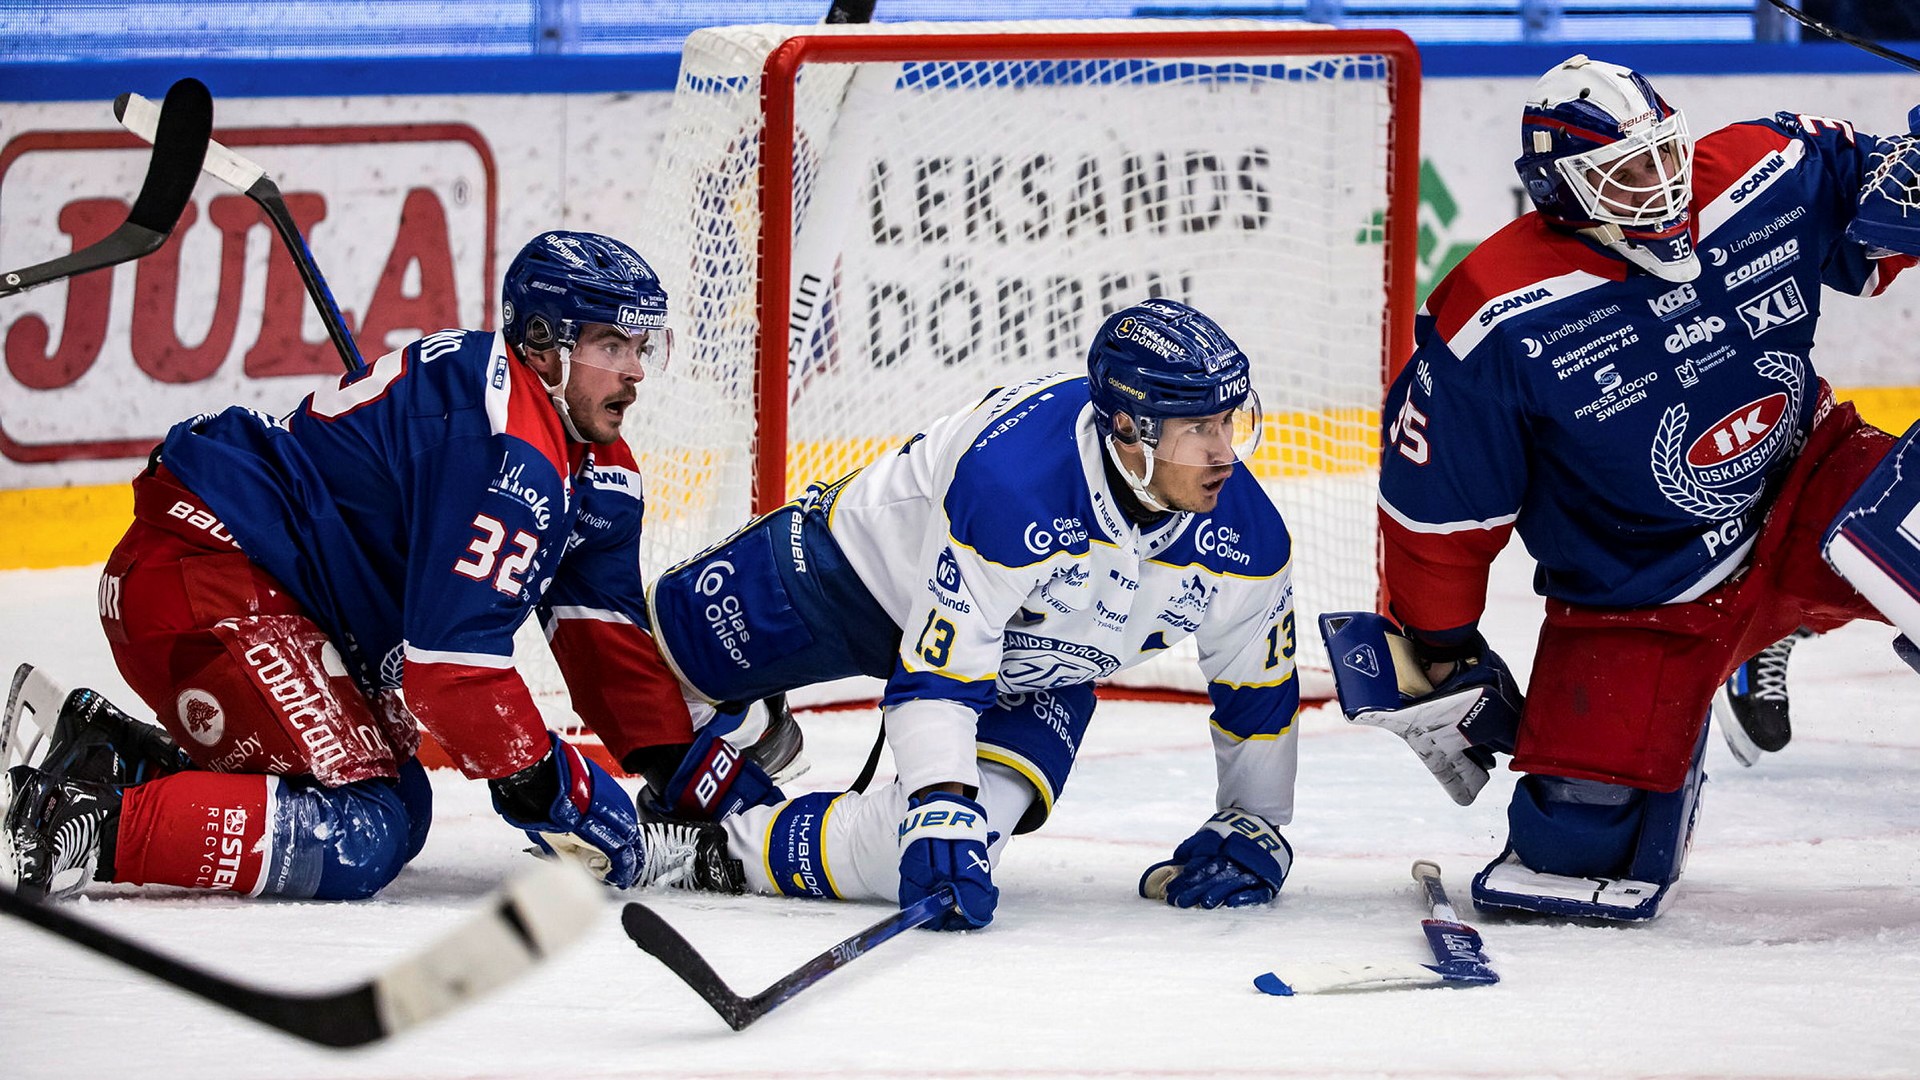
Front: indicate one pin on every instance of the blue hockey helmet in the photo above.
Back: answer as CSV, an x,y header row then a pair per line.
x,y
1603,154
562,281
1185,386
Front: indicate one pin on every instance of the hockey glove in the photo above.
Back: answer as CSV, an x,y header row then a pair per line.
x,y
943,844
1888,218
568,804
1454,727
714,780
1236,859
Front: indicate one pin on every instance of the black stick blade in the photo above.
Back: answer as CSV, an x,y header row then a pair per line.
x,y
179,147
186,124
652,933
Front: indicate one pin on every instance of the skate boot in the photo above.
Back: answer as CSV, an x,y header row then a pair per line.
x,y
688,855
1752,705
80,735
58,833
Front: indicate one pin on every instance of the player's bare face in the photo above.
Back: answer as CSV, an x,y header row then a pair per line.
x,y
1191,488
603,381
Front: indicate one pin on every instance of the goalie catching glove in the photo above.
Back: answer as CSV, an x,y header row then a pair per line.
x,y
1236,859
1455,727
1887,220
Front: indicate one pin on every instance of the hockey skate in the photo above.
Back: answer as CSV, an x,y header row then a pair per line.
x,y
1751,707
59,832
688,855
80,735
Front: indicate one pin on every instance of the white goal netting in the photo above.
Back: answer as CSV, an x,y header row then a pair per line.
x,y
964,203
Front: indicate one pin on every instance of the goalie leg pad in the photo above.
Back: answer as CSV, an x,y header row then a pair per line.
x,y
1874,543
1586,849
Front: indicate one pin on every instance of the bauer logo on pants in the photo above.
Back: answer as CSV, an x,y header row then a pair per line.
x,y
400,218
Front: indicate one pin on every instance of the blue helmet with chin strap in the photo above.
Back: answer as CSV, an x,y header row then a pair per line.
x,y
562,281
1161,359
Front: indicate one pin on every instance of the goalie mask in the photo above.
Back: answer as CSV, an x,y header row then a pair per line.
x,y
1603,155
1166,378
561,283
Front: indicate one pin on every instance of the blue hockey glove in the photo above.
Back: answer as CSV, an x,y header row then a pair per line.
x,y
713,781
588,815
943,844
1236,859
1888,218
1455,727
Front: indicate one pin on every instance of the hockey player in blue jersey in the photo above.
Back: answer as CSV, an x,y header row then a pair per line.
x,y
1626,378
990,570
287,579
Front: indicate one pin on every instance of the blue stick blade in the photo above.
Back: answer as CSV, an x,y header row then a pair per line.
x,y
1271,984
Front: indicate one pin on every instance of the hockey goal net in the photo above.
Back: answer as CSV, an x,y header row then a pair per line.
x,y
865,227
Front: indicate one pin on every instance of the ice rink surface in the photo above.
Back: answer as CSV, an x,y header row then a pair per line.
x,y
1791,948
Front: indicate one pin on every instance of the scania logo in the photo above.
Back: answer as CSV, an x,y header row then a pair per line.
x,y
1737,431
1758,178
1519,300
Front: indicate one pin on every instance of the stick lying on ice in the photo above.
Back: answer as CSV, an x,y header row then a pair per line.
x,y
1459,958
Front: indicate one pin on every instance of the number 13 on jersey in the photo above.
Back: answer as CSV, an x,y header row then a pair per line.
x,y
936,640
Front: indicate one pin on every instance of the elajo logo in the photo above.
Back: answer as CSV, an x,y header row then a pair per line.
x,y
400,218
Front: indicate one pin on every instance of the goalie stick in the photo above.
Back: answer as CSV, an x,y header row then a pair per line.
x,y
1459,959
520,925
653,934
179,137
141,117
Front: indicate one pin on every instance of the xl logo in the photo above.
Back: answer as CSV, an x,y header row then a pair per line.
x,y
1697,331
1669,304
1774,308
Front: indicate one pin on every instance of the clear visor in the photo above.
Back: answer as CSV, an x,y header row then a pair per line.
x,y
1639,180
1220,439
637,353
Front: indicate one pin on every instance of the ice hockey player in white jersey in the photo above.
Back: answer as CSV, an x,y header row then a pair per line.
x,y
1626,379
990,570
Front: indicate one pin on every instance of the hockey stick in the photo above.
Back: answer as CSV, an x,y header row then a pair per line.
x,y
519,926
652,933
1845,38
139,116
179,138
1459,959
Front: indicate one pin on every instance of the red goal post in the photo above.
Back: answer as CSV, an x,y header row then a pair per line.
x,y
863,228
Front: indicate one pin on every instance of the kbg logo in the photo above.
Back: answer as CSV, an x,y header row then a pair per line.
x,y
400,216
